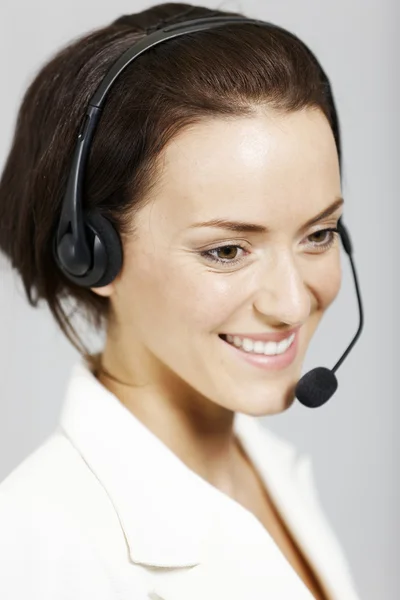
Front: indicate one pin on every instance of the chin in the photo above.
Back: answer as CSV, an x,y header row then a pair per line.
x,y
272,406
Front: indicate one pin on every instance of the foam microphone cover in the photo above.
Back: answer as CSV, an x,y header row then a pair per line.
x,y
316,387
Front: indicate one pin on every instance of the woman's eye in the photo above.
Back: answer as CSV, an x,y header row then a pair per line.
x,y
227,252
329,235
224,254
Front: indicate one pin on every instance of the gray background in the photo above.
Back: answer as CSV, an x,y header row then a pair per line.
x,y
352,438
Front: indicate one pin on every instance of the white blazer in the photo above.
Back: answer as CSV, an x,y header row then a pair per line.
x,y
103,510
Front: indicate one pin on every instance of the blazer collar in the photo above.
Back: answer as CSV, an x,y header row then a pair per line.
x,y
171,517
163,506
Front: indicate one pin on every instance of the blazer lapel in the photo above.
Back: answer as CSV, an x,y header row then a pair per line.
x,y
289,481
239,561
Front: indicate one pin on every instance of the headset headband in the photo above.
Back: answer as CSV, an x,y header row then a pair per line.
x,y
80,263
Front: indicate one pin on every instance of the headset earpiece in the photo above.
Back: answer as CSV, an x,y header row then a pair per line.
x,y
105,249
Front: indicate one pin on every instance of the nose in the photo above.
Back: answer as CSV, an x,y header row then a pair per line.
x,y
282,294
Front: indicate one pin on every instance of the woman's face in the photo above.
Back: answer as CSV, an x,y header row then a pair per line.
x,y
173,299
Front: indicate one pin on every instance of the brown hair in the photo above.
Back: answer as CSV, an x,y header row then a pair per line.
x,y
224,71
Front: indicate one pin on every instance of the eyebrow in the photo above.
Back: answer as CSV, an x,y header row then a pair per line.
x,y
239,226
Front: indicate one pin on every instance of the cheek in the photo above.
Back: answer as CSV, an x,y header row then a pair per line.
x,y
208,301
325,283
330,282
173,299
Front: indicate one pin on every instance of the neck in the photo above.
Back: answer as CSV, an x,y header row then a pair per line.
x,y
199,432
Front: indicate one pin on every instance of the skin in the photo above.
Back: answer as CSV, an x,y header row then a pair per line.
x,y
163,357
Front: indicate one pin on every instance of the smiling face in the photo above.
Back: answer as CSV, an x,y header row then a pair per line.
x,y
179,290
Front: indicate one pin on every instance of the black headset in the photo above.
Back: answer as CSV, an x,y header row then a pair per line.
x,y
88,249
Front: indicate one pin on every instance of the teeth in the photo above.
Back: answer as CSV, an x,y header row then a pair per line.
x,y
236,340
258,347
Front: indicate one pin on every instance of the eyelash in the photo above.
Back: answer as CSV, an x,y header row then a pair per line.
x,y
324,247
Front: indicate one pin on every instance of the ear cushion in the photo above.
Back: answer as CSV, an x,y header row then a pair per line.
x,y
111,244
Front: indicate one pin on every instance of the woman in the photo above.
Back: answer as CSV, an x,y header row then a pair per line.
x,y
214,155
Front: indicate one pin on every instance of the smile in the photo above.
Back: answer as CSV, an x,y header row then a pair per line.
x,y
269,356
259,347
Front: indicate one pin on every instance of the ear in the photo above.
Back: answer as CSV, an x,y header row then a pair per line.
x,y
106,290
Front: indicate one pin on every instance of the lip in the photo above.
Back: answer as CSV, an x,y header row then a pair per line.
x,y
266,337
262,361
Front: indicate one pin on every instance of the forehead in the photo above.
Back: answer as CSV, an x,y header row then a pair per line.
x,y
230,166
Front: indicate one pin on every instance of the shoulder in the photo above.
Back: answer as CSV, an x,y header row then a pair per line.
x,y
50,507
48,479
48,457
